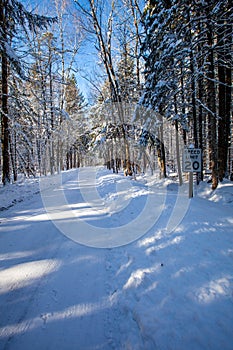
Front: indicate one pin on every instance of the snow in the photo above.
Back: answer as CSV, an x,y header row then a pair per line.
x,y
169,287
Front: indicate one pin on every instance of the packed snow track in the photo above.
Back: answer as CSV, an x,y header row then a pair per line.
x,y
153,288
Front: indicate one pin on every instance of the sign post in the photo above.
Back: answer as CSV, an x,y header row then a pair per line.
x,y
190,185
191,164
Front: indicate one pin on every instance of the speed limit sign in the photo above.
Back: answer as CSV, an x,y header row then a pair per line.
x,y
192,160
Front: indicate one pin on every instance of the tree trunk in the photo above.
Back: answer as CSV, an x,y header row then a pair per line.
x,y
177,145
211,105
4,100
12,146
227,88
161,152
193,85
52,157
200,113
222,124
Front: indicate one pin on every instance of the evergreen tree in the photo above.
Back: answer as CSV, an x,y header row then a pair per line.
x,y
126,76
74,99
188,72
77,137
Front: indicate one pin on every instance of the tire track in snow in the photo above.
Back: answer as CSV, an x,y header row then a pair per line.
x,y
123,327
22,322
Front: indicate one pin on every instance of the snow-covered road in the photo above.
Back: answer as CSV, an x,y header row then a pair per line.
x,y
163,290
54,293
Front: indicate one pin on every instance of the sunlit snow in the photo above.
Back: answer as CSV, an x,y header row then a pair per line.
x,y
169,287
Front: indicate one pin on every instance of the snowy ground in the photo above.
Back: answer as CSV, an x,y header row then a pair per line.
x,y
165,281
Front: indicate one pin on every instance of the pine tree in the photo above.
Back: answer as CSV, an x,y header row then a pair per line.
x,y
188,72
126,76
74,99
224,59
77,138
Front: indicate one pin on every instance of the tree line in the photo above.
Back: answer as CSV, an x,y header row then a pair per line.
x,y
188,68
163,82
40,101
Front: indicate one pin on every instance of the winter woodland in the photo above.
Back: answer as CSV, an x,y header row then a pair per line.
x,y
160,81
90,91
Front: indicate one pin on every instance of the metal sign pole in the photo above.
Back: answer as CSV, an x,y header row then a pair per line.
x,y
190,185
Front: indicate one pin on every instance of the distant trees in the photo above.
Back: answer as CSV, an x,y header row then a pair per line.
x,y
12,16
36,70
112,24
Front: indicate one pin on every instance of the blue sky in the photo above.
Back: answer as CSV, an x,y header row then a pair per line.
x,y
86,63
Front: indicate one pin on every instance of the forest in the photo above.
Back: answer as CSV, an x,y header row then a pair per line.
x,y
159,80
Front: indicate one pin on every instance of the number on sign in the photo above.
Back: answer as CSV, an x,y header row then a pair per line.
x,y
196,165
188,165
